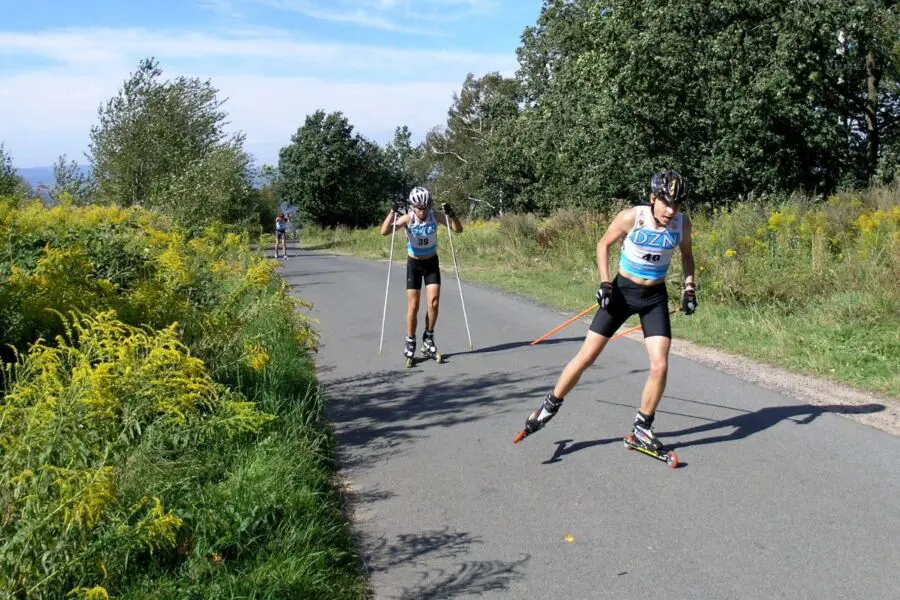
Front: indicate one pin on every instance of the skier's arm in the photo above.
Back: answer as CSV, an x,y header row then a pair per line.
x,y
448,214
389,222
617,230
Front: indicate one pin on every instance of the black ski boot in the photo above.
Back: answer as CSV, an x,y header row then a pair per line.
x,y
410,351
643,438
540,416
429,349
643,432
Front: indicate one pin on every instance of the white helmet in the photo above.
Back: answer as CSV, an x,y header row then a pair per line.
x,y
420,197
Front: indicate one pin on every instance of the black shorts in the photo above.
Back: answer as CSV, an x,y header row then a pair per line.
x,y
279,234
428,269
630,298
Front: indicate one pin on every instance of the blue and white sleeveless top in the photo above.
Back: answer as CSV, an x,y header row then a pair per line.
x,y
421,236
647,250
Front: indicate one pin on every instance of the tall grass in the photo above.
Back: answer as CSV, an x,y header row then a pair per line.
x,y
811,286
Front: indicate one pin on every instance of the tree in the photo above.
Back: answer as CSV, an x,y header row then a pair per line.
x,y
163,144
71,181
405,161
743,98
11,184
475,154
334,176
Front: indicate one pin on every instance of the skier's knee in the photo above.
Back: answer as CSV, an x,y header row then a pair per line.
x,y
659,368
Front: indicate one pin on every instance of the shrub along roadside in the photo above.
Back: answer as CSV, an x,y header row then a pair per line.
x,y
185,458
811,287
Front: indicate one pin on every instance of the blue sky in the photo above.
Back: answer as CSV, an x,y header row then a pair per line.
x,y
382,62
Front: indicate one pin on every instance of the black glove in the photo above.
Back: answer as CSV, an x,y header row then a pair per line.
x,y
604,294
448,210
689,299
399,208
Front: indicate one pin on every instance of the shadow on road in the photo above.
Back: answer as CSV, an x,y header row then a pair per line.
x,y
742,426
511,345
750,423
376,415
464,578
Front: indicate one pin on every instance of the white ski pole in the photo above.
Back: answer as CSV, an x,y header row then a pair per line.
x,y
387,285
456,267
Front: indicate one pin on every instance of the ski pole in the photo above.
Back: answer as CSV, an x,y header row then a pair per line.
x,y
387,285
584,312
566,324
456,267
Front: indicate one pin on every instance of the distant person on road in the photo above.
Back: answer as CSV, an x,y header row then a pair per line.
x,y
281,223
421,224
651,234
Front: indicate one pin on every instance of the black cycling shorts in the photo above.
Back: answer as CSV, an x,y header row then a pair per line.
x,y
279,234
418,269
630,298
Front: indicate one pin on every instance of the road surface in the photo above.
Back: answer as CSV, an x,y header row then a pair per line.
x,y
776,499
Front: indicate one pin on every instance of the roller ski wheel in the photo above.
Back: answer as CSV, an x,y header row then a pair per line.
x,y
670,457
436,357
410,363
520,436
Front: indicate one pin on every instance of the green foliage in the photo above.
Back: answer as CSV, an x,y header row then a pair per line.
x,y
745,99
70,183
11,185
162,144
475,158
337,177
172,445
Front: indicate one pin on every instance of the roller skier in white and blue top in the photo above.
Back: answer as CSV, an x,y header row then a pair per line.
x,y
421,225
649,235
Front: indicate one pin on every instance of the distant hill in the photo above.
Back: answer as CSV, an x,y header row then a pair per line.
x,y
36,176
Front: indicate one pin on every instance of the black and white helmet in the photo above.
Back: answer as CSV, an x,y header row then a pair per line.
x,y
420,197
669,186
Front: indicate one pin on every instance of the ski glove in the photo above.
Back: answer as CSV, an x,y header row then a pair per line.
x,y
399,208
689,299
448,210
604,294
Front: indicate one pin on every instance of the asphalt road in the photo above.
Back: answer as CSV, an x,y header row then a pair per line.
x,y
776,498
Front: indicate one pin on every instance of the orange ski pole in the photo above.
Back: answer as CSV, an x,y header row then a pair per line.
x,y
564,325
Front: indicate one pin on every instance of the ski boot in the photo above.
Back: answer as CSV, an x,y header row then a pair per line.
x,y
410,351
643,439
429,350
539,417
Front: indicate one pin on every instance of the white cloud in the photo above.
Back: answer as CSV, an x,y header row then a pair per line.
x,y
393,15
272,80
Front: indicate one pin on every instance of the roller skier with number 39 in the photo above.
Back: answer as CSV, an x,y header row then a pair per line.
x,y
421,224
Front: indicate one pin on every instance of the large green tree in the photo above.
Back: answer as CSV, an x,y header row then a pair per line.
x,y
475,157
333,175
162,144
743,97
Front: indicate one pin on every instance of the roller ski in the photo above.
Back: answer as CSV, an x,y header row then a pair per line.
x,y
429,349
539,417
643,439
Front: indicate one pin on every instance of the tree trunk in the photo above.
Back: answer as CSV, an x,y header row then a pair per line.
x,y
873,79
